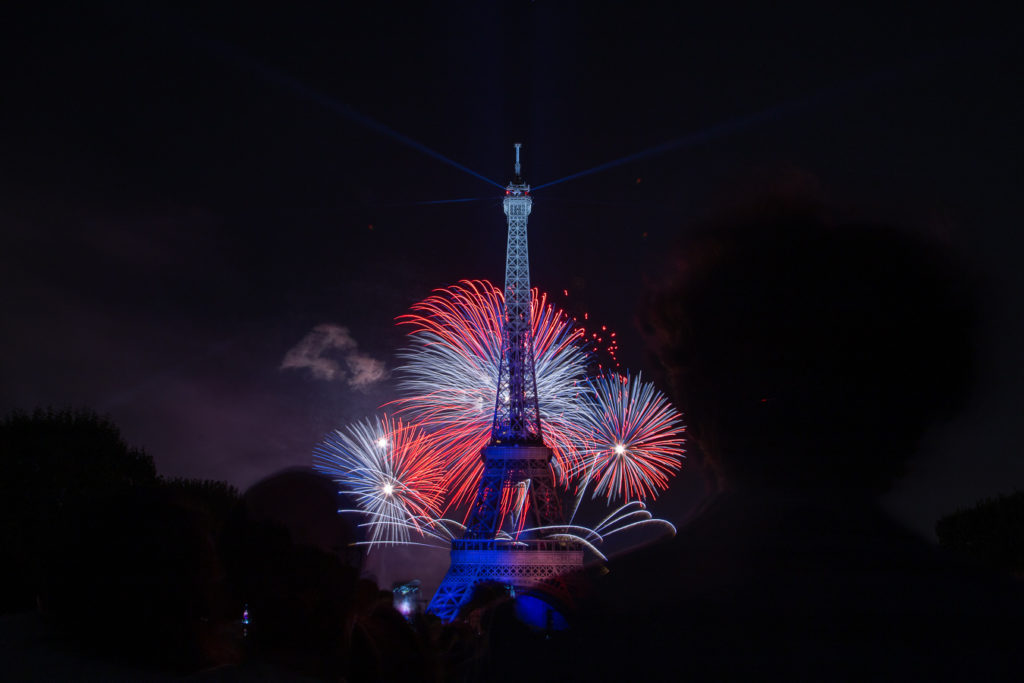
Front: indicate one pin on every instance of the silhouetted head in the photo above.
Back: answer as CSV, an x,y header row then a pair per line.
x,y
812,354
305,503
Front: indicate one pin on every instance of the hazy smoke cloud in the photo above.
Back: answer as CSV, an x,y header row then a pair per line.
x,y
330,353
365,370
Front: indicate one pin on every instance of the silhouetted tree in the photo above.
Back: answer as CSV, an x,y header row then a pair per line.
x,y
213,498
117,557
49,461
136,575
991,532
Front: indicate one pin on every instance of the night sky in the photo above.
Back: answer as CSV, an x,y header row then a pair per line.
x,y
185,194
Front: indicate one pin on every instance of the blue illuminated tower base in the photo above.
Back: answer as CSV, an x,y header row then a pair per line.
x,y
537,565
520,561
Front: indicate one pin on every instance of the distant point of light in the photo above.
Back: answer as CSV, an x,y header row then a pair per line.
x,y
382,442
388,489
619,449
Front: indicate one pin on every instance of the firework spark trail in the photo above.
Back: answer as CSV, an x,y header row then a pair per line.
x,y
515,502
389,468
631,515
635,440
616,522
450,375
434,531
624,512
522,506
634,510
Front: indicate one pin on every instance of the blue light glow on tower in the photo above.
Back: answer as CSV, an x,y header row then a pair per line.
x,y
505,539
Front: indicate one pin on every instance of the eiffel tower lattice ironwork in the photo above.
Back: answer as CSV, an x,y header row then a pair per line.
x,y
517,487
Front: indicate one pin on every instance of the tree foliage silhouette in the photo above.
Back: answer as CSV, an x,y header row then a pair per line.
x,y
51,460
991,532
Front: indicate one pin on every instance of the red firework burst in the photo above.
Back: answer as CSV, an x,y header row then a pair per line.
x,y
450,376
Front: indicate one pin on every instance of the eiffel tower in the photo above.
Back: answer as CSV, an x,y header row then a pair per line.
x,y
517,489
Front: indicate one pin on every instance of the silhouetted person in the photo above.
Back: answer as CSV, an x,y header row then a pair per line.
x,y
808,357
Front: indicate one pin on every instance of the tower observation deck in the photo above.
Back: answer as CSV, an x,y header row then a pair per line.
x,y
505,539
